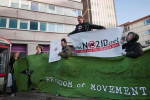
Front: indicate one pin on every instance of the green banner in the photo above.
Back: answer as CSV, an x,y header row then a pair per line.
x,y
86,77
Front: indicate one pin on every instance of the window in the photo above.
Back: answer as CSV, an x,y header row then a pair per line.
x,y
42,26
33,25
79,12
60,10
126,28
12,23
43,7
60,28
34,6
70,12
23,24
147,32
24,4
147,42
15,3
68,28
51,9
51,27
3,22
4,2
147,22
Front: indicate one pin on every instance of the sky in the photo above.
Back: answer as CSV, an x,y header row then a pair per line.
x,y
130,10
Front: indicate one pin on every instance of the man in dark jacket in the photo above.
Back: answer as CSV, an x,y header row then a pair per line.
x,y
84,26
132,47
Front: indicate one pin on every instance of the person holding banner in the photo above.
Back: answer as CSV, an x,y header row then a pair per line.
x,y
66,50
84,26
132,47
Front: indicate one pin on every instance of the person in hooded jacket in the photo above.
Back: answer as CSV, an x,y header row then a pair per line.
x,y
132,48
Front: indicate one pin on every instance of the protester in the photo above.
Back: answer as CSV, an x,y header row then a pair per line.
x,y
14,57
132,47
39,49
66,50
84,26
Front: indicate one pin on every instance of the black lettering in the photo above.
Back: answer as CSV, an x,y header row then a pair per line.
x,y
97,44
85,45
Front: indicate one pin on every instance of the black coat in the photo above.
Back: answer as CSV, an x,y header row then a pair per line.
x,y
133,48
86,27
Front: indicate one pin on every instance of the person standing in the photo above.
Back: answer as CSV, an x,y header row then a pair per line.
x,y
85,26
14,57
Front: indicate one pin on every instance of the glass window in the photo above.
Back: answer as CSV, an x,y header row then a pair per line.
x,y
43,7
33,25
24,4
3,22
51,9
42,26
23,24
60,28
78,12
147,22
69,12
34,6
51,27
147,32
68,28
12,23
4,2
15,3
60,10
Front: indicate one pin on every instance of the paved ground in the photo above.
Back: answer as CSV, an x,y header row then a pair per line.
x,y
36,96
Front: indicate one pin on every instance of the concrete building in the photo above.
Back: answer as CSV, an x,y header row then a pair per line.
x,y
141,27
28,23
100,12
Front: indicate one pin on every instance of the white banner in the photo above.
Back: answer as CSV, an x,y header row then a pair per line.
x,y
55,49
101,43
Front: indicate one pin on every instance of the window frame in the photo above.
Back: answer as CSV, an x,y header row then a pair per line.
x,y
33,6
7,4
147,21
6,22
37,25
59,28
46,8
10,5
9,23
29,5
54,27
23,21
40,27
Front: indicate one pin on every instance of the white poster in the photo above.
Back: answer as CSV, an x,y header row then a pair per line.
x,y
55,49
100,43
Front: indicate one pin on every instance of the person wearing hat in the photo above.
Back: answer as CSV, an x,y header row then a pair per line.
x,y
132,47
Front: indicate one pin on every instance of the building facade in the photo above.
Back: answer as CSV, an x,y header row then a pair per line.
x,y
28,23
141,27
100,12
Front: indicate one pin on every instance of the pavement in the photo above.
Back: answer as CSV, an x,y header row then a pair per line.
x,y
37,96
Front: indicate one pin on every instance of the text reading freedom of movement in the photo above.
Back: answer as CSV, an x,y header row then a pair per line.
x,y
124,90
